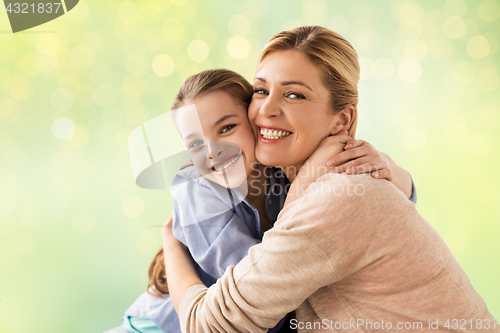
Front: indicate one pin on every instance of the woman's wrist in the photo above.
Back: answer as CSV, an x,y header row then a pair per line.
x,y
299,185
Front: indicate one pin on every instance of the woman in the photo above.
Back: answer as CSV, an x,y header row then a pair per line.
x,y
347,252
210,113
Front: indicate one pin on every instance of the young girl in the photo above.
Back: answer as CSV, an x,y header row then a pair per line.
x,y
224,201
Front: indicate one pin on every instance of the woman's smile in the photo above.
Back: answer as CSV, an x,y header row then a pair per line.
x,y
271,134
290,109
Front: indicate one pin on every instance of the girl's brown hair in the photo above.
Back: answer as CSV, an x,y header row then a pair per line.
x,y
335,57
215,79
194,87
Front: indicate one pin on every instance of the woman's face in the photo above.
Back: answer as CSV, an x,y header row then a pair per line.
x,y
219,138
290,110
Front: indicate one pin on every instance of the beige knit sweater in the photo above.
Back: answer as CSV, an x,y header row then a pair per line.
x,y
352,254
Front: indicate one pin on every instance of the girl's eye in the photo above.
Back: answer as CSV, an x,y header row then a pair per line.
x,y
195,144
295,96
260,92
227,128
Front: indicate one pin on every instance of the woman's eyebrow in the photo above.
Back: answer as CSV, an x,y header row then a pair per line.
x,y
223,118
285,83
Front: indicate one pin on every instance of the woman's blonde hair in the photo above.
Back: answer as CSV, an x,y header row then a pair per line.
x,y
194,87
334,56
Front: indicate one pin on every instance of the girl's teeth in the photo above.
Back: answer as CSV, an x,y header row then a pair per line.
x,y
225,165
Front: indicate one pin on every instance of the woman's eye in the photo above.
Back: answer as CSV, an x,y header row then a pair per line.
x,y
195,144
260,92
295,96
227,128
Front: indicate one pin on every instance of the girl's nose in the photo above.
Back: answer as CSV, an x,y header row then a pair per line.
x,y
215,150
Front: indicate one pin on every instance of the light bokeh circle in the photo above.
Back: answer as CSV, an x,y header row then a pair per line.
x,y
198,50
63,128
410,71
163,65
238,47
133,207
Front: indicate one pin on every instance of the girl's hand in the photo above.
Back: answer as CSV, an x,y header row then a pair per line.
x,y
316,165
361,157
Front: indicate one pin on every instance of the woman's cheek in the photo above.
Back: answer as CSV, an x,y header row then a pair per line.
x,y
253,110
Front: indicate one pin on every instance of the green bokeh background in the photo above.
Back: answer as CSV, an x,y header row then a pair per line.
x,y
76,233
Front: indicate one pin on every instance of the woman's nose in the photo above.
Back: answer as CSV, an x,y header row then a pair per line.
x,y
270,108
215,149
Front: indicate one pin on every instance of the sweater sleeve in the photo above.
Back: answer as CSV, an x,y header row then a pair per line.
x,y
315,242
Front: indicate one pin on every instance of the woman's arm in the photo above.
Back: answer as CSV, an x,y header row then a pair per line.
x,y
217,232
316,242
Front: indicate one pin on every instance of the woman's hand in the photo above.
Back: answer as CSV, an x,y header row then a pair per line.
x,y
361,157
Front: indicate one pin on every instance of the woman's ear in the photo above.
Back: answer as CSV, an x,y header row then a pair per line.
x,y
343,119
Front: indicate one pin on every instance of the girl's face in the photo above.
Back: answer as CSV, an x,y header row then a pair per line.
x,y
216,131
290,110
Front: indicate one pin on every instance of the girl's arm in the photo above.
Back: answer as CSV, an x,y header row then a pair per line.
x,y
361,157
353,157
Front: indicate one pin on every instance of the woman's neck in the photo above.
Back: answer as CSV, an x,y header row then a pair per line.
x,y
292,171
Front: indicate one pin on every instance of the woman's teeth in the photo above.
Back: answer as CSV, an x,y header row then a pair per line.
x,y
273,134
225,165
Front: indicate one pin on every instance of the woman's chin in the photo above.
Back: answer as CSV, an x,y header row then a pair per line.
x,y
271,158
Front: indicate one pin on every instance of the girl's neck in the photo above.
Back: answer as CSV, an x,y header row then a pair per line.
x,y
257,181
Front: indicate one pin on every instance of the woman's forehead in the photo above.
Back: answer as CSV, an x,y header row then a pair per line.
x,y
290,65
